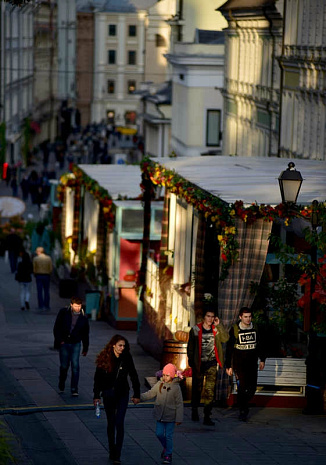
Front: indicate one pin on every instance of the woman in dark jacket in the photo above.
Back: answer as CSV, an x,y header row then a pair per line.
x,y
24,277
113,366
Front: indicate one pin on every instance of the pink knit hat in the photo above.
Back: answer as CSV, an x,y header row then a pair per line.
x,y
170,369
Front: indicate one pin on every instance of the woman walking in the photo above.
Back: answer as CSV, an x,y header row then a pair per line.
x,y
24,277
113,366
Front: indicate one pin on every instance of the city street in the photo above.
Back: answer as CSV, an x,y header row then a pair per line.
x,y
52,428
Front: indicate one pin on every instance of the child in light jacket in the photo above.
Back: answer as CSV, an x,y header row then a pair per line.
x,y
168,408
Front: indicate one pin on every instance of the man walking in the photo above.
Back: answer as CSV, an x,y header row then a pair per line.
x,y
205,356
242,352
71,329
42,269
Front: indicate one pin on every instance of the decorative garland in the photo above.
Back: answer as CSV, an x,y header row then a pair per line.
x,y
219,212
78,178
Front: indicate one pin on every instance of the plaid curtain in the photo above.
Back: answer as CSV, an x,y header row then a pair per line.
x,y
76,225
200,267
234,291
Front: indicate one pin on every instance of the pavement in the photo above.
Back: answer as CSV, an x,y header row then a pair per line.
x,y
48,428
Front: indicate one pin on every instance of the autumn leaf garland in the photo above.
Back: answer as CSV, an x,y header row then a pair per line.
x,y
219,212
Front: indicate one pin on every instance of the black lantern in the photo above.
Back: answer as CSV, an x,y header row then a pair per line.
x,y
290,182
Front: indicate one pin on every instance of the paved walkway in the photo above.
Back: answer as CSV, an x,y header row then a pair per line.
x,y
49,428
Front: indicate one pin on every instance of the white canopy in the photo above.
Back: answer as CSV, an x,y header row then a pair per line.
x,y
121,181
250,179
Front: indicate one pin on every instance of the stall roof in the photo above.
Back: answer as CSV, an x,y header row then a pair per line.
x,y
121,181
250,179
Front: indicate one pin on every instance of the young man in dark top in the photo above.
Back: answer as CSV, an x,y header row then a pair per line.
x,y
71,329
243,349
205,356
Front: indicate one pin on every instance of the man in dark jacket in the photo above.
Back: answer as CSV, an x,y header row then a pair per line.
x,y
242,352
71,329
205,356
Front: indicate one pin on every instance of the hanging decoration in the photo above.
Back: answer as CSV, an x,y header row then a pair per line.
x,y
79,178
221,213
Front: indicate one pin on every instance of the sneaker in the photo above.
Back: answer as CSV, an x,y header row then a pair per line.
x,y
117,461
167,459
27,305
61,386
74,392
208,422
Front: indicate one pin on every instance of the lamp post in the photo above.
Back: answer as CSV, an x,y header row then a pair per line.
x,y
290,182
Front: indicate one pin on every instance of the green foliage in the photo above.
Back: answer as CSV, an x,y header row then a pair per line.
x,y
276,313
6,456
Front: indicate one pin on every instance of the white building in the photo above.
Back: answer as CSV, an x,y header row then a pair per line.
x,y
303,84
157,39
16,78
119,45
197,59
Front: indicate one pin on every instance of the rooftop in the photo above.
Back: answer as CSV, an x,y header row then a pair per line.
x,y
250,179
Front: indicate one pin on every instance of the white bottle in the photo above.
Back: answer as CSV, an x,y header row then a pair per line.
x,y
97,410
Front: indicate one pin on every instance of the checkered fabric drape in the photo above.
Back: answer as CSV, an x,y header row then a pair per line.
x,y
234,291
76,225
200,267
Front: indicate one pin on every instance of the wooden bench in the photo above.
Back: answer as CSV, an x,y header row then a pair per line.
x,y
281,377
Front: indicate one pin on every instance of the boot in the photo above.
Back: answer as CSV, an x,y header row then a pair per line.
x,y
207,416
194,414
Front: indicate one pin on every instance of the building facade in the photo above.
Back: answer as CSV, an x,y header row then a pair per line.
x,y
45,100
303,83
252,77
158,41
118,64
67,50
84,65
16,78
196,57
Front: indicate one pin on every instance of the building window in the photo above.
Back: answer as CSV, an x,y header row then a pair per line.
x,y
110,116
132,31
131,87
111,57
112,30
213,128
131,57
111,87
130,117
160,41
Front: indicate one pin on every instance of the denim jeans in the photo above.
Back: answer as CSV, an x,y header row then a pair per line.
x,y
25,292
43,290
164,432
69,354
115,409
13,259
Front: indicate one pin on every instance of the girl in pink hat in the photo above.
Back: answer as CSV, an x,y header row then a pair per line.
x,y
168,408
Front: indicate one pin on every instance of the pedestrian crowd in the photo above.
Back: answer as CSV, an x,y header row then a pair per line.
x,y
23,267
114,366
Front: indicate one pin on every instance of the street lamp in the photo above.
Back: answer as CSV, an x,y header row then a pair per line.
x,y
290,182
